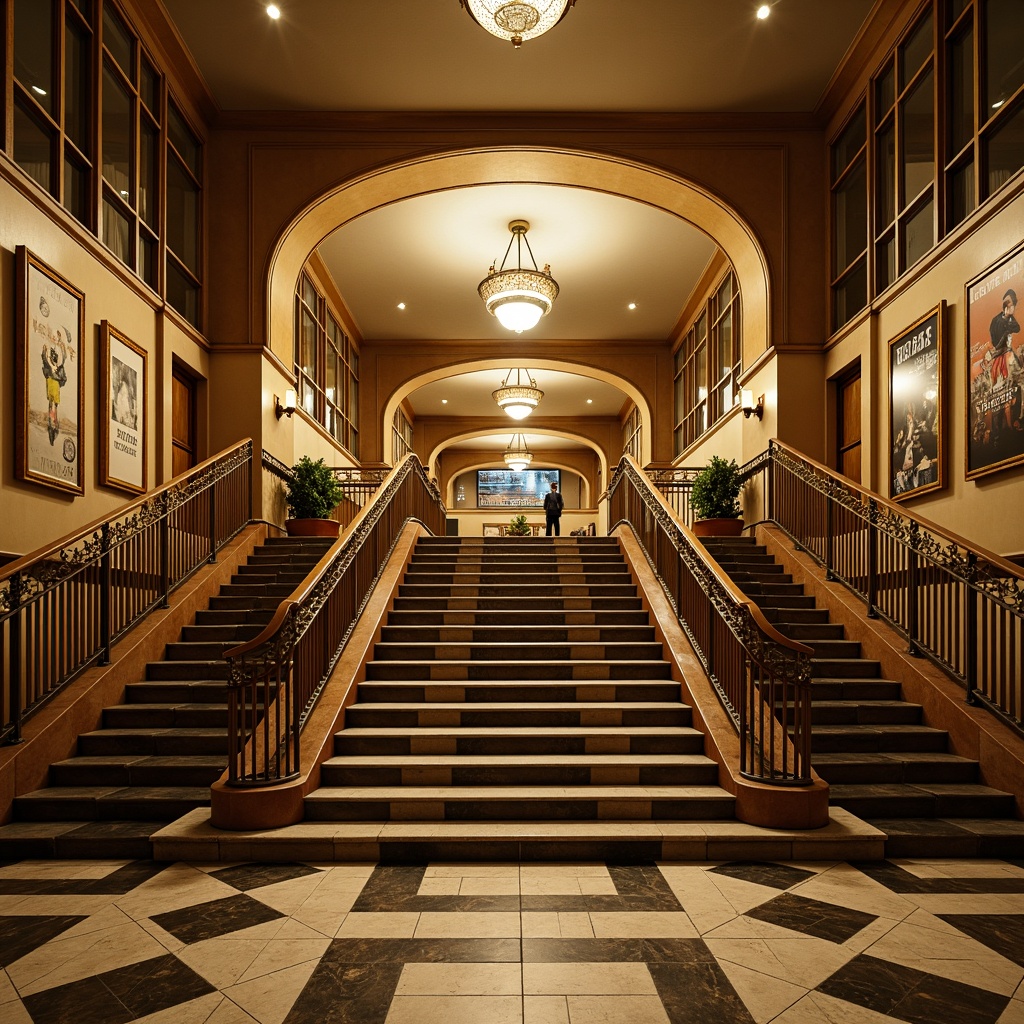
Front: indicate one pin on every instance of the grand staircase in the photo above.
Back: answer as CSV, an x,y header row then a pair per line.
x,y
154,757
882,761
518,701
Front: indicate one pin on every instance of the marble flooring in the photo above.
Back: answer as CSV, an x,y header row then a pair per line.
x,y
924,941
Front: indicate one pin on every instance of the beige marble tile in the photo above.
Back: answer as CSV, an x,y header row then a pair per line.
x,y
616,1010
845,886
805,961
455,1010
553,885
595,886
441,886
378,926
222,961
489,886
325,915
13,1012
230,1013
59,905
179,886
279,954
545,1010
704,903
482,925
764,996
460,980
1013,1014
571,870
617,979
270,997
195,1011
50,869
816,1008
957,957
286,897
471,870
639,925
7,990
63,960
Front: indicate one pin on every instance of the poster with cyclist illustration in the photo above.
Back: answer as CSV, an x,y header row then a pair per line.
x,y
49,370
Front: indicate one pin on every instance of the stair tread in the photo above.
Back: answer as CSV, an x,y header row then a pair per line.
x,y
524,793
531,730
501,760
101,792
545,706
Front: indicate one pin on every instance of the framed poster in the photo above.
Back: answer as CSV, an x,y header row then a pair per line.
x,y
49,377
122,412
916,443
995,368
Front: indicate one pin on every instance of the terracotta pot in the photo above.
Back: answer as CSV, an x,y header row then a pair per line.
x,y
717,527
312,527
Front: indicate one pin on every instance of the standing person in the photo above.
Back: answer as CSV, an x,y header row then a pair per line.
x,y
553,505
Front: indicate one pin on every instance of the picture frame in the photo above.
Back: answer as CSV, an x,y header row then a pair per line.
x,y
916,422
49,371
123,405
994,351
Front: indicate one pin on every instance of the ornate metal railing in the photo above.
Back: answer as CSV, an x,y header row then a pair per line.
x,y
958,605
360,485
277,677
676,483
63,606
762,678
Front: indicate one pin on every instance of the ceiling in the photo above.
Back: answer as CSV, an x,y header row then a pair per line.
x,y
430,252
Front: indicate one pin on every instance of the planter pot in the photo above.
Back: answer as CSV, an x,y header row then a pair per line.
x,y
312,527
718,527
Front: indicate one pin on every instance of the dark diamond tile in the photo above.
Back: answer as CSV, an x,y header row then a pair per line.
x,y
20,935
1002,932
778,876
423,951
698,993
568,951
646,882
218,917
912,995
118,882
119,996
388,883
823,920
346,993
899,880
253,876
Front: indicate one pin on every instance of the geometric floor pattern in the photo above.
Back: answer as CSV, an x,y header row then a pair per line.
x,y
928,942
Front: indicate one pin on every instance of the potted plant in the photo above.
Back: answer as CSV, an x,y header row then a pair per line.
x,y
519,527
714,499
312,495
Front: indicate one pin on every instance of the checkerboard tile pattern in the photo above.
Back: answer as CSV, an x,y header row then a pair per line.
x,y
734,943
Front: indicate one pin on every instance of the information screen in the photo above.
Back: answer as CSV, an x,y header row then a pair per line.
x,y
504,488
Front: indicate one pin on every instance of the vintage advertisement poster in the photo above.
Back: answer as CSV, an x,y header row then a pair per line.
x,y
995,370
123,405
49,369
915,408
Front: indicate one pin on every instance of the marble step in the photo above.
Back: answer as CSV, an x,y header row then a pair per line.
x,y
159,742
441,615
581,714
525,650
166,716
136,770
461,669
485,691
952,839
534,634
526,770
845,668
866,712
513,603
895,767
526,591
877,739
520,740
99,803
201,669
177,691
537,803
923,800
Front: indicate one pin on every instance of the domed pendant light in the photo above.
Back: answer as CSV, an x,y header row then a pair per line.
x,y
517,20
519,297
518,399
517,455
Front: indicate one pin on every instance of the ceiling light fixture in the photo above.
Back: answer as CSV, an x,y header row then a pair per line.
x,y
517,20
519,297
273,11
517,455
763,11
518,399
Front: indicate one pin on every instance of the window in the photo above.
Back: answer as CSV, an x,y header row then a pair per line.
x,y
632,435
707,365
401,429
326,367
946,113
82,112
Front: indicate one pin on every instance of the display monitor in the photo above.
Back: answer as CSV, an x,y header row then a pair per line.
x,y
505,488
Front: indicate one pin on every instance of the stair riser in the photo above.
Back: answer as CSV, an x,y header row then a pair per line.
x,y
523,775
161,745
180,670
482,671
925,806
520,635
475,618
351,743
520,652
407,693
119,775
113,809
128,716
366,717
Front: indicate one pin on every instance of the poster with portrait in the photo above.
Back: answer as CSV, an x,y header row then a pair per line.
x,y
916,448
995,368
49,377
122,412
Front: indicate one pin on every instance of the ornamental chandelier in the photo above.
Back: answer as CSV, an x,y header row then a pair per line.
x,y
518,399
517,455
519,297
517,20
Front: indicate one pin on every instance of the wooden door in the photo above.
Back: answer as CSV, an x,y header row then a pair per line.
x,y
183,422
848,432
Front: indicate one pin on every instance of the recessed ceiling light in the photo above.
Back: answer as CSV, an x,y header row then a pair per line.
x,y
38,91
401,305
590,401
763,11
444,401
274,11
632,305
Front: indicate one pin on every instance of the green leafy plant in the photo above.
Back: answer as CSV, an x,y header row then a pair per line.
x,y
519,527
716,490
314,490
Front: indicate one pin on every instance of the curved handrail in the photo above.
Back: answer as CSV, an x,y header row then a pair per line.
x,y
757,671
277,677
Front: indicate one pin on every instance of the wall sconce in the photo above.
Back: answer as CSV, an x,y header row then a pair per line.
x,y
289,404
750,407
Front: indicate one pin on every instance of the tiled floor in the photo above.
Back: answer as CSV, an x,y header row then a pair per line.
x,y
822,943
